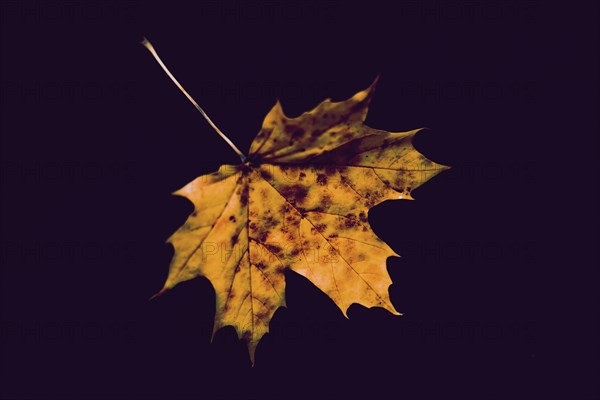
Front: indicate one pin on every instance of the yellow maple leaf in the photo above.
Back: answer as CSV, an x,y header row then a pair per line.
x,y
299,201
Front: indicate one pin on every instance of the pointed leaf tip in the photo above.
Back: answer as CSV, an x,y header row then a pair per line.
x,y
158,294
375,81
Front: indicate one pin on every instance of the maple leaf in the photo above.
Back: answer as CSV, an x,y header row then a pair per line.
x,y
300,201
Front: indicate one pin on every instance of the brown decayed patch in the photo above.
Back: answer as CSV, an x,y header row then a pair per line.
x,y
266,174
244,197
350,223
262,235
273,248
330,170
322,179
270,222
260,265
298,133
295,193
264,133
326,201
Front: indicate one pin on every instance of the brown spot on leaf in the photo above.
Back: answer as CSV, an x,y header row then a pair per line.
x,y
298,133
273,248
295,192
350,221
266,174
330,170
264,133
362,216
244,198
322,179
270,222
262,236
326,201
262,313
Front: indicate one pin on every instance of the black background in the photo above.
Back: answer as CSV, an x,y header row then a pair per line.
x,y
499,270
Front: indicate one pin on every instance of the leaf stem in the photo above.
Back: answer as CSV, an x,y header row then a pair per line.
x,y
150,48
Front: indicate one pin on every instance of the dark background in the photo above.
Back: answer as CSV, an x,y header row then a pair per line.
x,y
498,278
